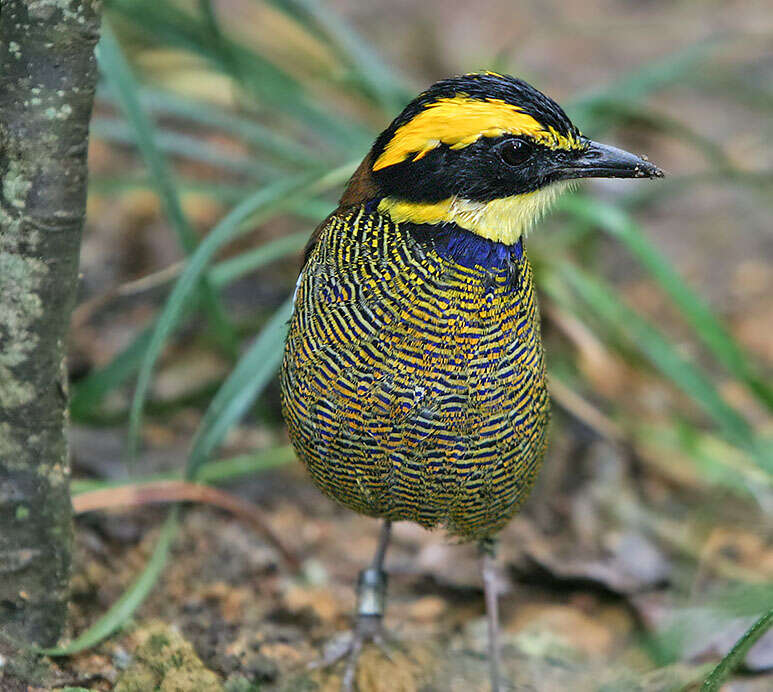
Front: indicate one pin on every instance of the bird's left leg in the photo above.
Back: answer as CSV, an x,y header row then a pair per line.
x,y
371,603
488,571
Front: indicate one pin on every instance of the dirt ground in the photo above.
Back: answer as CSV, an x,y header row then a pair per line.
x,y
587,572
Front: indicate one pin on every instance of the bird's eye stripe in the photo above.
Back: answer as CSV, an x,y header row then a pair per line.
x,y
460,121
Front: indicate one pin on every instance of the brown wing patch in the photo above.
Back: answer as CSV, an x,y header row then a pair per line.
x,y
362,187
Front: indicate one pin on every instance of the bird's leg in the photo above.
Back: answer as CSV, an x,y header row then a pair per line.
x,y
371,602
488,570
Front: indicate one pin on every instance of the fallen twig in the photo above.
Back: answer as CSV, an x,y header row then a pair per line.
x,y
181,491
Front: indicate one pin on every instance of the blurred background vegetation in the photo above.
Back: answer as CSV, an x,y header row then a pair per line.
x,y
223,133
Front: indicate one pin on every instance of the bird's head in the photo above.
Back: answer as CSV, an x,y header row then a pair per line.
x,y
486,151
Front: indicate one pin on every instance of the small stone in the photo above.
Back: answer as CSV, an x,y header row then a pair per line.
x,y
318,600
427,609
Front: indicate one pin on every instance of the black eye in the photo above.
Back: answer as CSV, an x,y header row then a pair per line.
x,y
514,152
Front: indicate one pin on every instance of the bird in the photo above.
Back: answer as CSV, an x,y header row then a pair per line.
x,y
413,380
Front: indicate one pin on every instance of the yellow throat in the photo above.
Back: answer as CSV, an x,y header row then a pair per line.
x,y
502,220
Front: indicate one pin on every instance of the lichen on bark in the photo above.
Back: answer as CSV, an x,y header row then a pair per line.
x,y
47,80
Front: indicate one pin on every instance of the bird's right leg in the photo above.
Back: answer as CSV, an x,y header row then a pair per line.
x,y
371,603
488,571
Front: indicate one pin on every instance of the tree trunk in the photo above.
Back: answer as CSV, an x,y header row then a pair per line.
x,y
47,78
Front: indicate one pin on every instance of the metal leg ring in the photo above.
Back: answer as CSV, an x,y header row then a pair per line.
x,y
371,593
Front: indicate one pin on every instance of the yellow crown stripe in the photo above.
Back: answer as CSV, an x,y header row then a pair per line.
x,y
458,122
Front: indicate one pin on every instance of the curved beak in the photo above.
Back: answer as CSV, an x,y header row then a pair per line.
x,y
603,161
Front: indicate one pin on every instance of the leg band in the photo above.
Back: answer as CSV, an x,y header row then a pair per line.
x,y
371,592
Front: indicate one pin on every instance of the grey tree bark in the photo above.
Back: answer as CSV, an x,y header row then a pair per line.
x,y
47,78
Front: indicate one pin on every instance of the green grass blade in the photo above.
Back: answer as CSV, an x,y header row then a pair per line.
x,y
162,102
123,85
716,461
700,317
121,80
640,83
224,193
248,379
244,465
212,472
644,119
314,209
130,600
663,356
268,83
187,147
736,655
89,392
377,79
230,270
218,40
264,201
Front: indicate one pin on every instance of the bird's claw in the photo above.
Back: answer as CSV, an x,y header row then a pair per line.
x,y
368,629
371,601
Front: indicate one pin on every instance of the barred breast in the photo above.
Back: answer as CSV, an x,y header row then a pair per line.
x,y
413,380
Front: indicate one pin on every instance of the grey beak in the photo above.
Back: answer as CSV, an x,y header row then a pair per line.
x,y
603,161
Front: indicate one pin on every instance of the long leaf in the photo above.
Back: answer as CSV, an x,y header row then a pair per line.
x,y
89,392
640,83
187,147
707,327
377,79
264,80
214,472
665,358
163,102
239,391
264,200
736,655
121,80
261,204
229,270
132,598
244,465
716,461
120,612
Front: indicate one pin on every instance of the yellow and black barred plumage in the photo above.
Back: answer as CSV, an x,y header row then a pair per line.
x,y
413,380
415,385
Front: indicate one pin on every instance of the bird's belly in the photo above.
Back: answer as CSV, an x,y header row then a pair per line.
x,y
436,414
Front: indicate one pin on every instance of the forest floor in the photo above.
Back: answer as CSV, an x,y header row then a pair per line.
x,y
587,572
